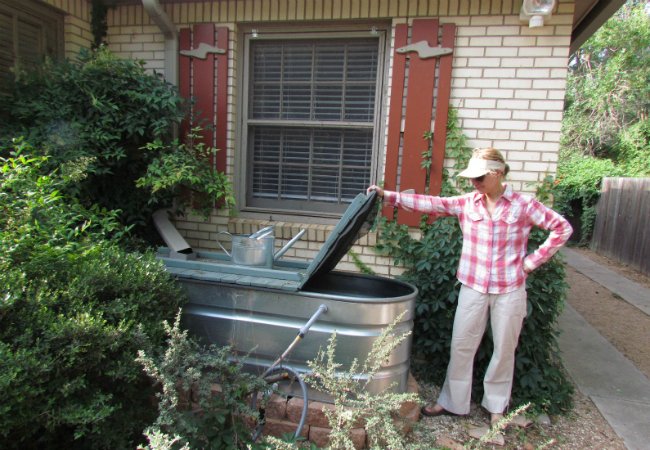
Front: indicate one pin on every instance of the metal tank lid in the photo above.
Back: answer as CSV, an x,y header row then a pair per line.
x,y
290,276
354,224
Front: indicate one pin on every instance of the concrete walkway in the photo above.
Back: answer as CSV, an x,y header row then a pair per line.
x,y
619,390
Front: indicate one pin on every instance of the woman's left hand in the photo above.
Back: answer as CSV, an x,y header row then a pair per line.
x,y
377,189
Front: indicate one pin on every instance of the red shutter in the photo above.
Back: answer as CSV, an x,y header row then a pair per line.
x,y
198,82
420,98
203,71
442,111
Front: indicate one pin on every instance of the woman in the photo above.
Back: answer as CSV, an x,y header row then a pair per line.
x,y
496,223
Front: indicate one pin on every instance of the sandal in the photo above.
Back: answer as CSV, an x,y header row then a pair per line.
x,y
495,418
432,411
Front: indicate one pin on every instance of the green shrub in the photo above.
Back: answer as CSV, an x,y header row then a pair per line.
x,y
106,110
605,127
351,399
430,263
633,147
190,411
577,189
180,169
75,310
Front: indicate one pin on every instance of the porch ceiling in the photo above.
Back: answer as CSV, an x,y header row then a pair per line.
x,y
588,17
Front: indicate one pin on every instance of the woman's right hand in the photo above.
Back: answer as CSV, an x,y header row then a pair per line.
x,y
377,189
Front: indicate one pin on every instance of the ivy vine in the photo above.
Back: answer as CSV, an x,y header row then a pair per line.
x,y
98,22
430,263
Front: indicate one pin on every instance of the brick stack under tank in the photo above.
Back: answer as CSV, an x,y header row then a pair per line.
x,y
283,417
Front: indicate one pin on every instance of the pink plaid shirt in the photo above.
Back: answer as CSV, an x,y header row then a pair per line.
x,y
494,248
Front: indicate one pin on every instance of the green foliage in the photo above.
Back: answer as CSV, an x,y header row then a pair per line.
x,y
191,413
457,150
105,111
353,402
608,87
606,125
98,22
75,309
577,189
633,148
99,107
185,172
430,263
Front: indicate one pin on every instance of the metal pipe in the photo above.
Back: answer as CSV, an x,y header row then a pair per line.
x,y
160,18
301,334
179,248
321,309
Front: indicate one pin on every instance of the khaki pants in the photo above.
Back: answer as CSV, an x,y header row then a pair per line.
x,y
506,312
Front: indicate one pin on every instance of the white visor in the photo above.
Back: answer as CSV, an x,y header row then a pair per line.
x,y
478,167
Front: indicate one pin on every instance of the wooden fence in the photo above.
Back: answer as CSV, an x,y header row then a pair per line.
x,y
622,229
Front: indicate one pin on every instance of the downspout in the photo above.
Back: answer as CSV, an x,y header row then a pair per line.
x,y
160,18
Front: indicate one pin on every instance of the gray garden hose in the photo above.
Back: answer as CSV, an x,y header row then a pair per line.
x,y
303,388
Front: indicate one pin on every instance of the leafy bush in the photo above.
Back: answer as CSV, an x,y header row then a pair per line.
x,y
633,148
181,170
577,189
605,129
607,89
107,110
75,310
190,412
430,263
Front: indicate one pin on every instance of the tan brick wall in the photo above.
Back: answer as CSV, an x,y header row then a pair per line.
x,y
77,33
508,79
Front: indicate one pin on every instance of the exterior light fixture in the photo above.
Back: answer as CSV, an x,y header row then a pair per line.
x,y
374,31
535,11
254,33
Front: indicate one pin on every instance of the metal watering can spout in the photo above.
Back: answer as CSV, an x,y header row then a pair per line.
x,y
288,245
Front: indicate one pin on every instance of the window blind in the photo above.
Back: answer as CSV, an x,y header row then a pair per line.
x,y
311,119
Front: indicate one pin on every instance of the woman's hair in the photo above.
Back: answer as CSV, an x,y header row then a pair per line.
x,y
491,154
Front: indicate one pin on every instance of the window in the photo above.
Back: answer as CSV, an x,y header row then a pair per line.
x,y
29,31
310,121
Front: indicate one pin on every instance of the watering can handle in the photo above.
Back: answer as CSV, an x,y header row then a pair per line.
x,y
219,242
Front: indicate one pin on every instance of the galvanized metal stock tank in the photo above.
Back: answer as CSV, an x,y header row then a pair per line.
x,y
259,310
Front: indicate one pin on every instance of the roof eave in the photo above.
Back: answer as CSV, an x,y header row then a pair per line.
x,y
593,20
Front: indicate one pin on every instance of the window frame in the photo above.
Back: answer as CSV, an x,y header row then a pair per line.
x,y
245,124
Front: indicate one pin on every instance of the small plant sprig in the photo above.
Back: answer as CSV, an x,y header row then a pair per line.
x,y
353,403
496,429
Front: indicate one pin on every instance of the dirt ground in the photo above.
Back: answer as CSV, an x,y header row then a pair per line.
x,y
624,325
